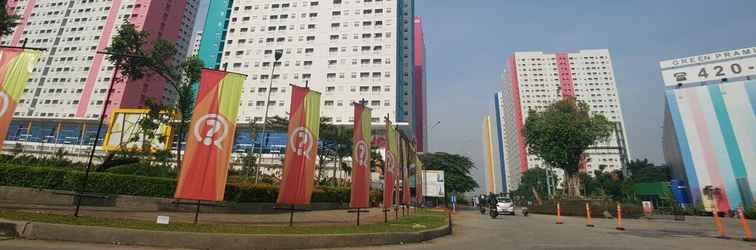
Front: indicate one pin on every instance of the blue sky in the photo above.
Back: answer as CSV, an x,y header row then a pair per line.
x,y
469,41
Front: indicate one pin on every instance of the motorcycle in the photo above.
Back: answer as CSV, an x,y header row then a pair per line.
x,y
525,211
492,211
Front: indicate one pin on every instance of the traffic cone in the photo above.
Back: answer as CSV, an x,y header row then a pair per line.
x,y
619,218
718,223
746,229
588,215
559,214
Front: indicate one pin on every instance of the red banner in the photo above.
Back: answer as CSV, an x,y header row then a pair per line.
x,y
301,148
390,164
361,157
210,137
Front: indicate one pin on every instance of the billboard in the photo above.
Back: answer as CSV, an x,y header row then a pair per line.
x,y
434,183
709,67
125,133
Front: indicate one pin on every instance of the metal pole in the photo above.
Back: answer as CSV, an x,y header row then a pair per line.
x,y
265,118
291,216
196,212
94,145
358,217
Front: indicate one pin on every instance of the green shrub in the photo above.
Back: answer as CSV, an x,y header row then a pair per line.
x,y
105,183
113,183
577,208
143,169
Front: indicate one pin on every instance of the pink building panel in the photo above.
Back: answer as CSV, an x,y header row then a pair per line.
x,y
420,108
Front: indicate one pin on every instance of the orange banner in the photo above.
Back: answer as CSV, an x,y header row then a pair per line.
x,y
210,137
301,148
361,136
16,65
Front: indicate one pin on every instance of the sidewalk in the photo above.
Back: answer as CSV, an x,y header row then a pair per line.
x,y
313,218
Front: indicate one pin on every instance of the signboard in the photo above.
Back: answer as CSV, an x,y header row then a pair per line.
x,y
648,208
125,133
434,183
715,66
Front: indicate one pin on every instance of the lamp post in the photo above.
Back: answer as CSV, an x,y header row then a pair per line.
x,y
105,105
277,56
431,132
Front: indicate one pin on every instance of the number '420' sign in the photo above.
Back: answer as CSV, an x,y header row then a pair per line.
x,y
710,72
720,71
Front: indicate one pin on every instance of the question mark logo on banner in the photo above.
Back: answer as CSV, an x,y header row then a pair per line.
x,y
5,102
301,141
361,152
390,162
217,132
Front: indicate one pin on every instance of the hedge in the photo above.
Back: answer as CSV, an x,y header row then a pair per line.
x,y
110,183
577,208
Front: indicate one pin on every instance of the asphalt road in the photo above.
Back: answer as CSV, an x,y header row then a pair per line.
x,y
475,231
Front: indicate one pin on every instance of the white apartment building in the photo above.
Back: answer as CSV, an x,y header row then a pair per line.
x,y
196,43
70,83
535,80
348,50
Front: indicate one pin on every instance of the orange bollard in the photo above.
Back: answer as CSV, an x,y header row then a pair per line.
x,y
559,214
619,218
588,214
718,223
746,229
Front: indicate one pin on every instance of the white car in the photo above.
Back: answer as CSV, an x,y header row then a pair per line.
x,y
505,206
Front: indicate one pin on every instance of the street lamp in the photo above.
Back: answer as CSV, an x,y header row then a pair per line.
x,y
277,56
431,132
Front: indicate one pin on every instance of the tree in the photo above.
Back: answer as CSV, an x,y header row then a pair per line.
x,y
644,171
561,133
604,184
136,56
456,170
533,180
7,21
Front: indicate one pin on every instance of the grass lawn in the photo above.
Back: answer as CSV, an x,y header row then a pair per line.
x,y
423,220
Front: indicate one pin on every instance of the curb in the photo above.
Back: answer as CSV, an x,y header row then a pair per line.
x,y
119,236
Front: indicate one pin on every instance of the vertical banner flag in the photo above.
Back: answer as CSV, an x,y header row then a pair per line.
x,y
361,136
389,165
405,172
301,148
210,137
397,167
16,66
